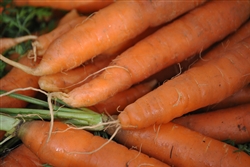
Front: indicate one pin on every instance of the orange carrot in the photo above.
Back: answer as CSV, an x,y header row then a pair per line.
x,y
238,98
16,78
112,25
74,149
231,123
71,79
21,157
42,43
240,34
157,51
120,100
82,6
180,146
7,43
71,15
198,87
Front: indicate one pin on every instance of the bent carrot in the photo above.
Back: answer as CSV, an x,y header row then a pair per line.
x,y
7,43
198,87
16,78
112,25
42,42
71,15
231,123
180,146
74,149
21,157
158,50
120,100
82,6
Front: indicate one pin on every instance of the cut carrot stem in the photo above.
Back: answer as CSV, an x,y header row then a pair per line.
x,y
231,123
158,50
196,88
180,146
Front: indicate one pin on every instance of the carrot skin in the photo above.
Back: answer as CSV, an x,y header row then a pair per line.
x,y
42,43
139,62
21,157
97,35
71,15
120,100
192,90
16,78
82,6
238,98
71,150
231,123
240,34
180,146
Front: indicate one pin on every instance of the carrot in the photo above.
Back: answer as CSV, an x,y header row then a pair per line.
x,y
198,87
16,78
42,43
238,98
120,100
240,34
231,123
73,149
21,157
7,43
71,15
82,6
71,79
180,146
112,25
140,61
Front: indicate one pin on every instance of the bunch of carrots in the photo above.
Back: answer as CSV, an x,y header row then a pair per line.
x,y
167,82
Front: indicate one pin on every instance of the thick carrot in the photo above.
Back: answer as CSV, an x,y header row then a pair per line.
x,y
16,78
82,6
42,43
112,25
158,50
197,87
7,43
180,146
120,100
73,149
231,123
21,157
238,98
71,15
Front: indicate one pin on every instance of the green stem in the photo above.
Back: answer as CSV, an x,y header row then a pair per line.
x,y
73,116
10,125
